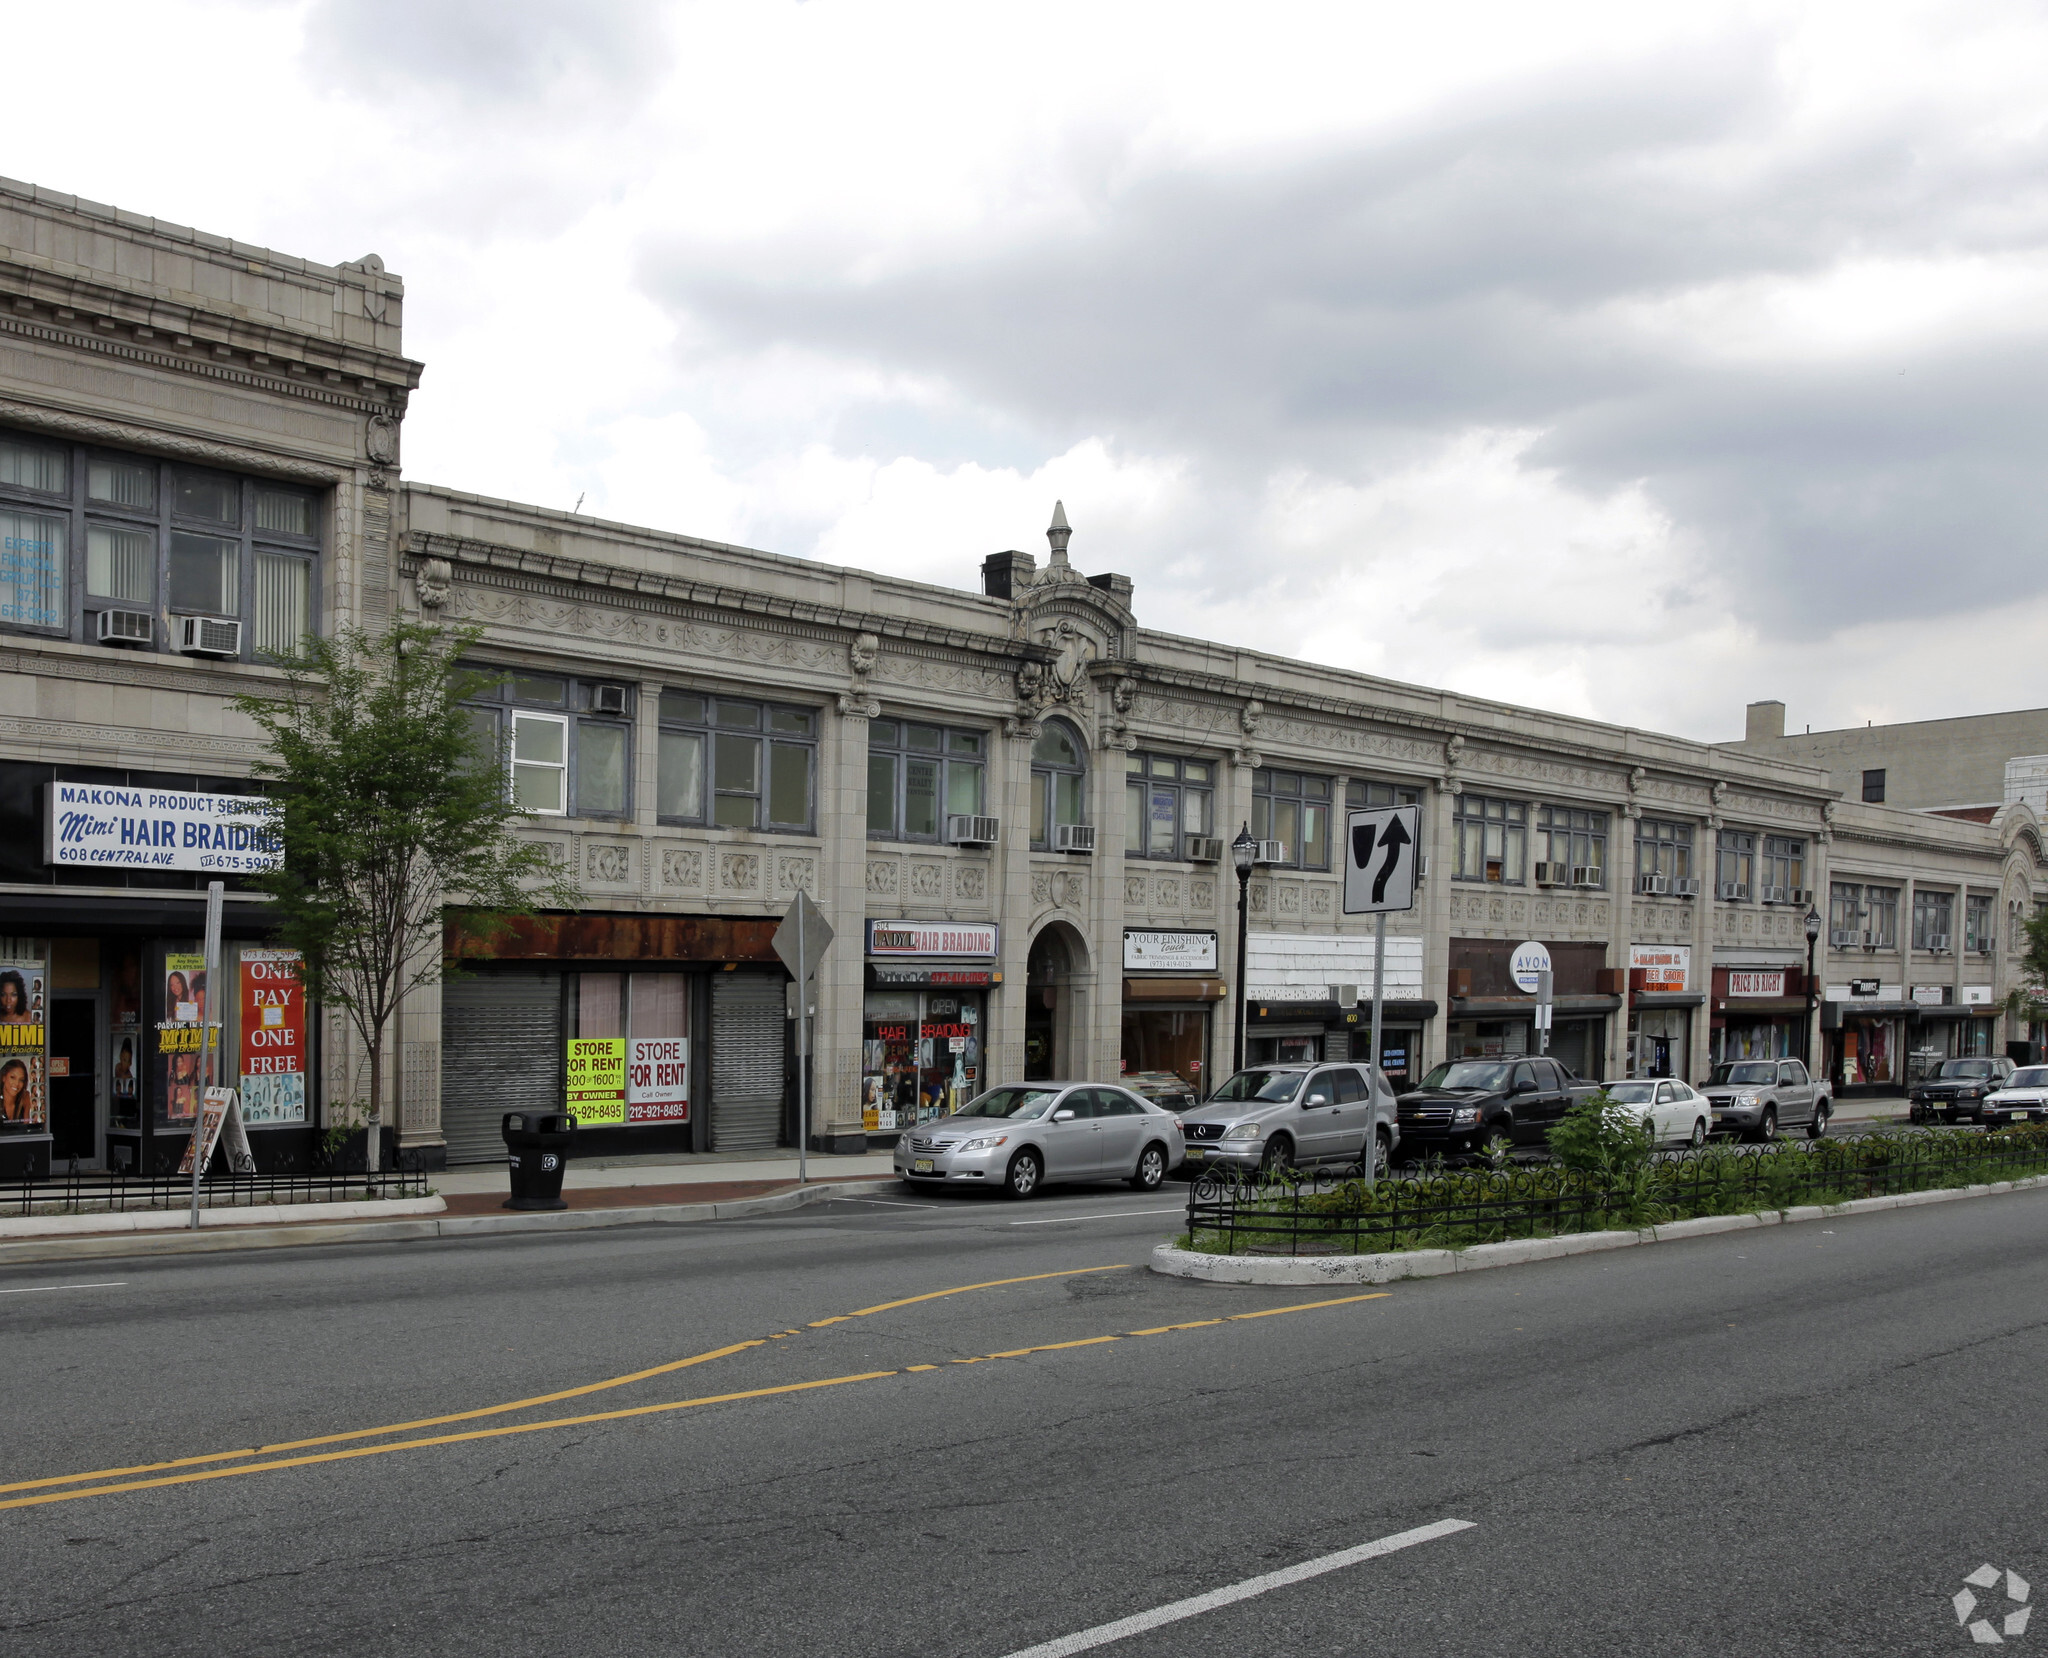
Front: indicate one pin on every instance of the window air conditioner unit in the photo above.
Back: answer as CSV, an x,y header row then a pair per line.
x,y
1685,886
1845,938
1551,875
1776,895
973,831
1205,849
1073,837
1802,895
1984,947
1653,884
208,636
127,627
1735,891
1269,852
1585,875
1870,939
1938,943
608,699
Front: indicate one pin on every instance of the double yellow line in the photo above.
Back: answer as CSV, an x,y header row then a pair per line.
x,y
117,1480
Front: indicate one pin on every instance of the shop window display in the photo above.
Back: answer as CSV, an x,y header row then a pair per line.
x,y
920,1056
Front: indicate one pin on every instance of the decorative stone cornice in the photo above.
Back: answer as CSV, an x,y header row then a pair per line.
x,y
123,434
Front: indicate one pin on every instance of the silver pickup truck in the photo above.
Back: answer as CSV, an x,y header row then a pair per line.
x,y
1760,1098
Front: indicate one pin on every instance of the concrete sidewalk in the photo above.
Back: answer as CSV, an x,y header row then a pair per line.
x,y
774,1168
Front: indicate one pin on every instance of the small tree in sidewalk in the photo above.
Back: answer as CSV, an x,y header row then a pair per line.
x,y
392,807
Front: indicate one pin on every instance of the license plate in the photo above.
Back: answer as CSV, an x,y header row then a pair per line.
x,y
1197,1153
921,1165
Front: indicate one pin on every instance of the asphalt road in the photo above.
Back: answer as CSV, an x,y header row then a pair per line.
x,y
1797,1441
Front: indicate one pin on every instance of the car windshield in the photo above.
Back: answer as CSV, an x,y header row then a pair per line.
x,y
2033,1077
1009,1102
1270,1086
1468,1073
1966,1068
1631,1093
1752,1074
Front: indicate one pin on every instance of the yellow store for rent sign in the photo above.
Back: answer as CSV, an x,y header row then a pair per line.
x,y
597,1080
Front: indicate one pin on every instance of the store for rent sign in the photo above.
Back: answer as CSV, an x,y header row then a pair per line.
x,y
273,1038
1664,967
91,823
597,1081
658,1079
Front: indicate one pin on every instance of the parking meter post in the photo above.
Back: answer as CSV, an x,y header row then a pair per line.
x,y
803,1068
1543,1011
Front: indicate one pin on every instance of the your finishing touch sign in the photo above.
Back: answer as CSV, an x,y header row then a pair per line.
x,y
91,823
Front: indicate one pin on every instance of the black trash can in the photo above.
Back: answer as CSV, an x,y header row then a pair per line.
x,y
537,1147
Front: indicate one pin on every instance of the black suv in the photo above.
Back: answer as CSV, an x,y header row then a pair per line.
x,y
1465,1103
1957,1090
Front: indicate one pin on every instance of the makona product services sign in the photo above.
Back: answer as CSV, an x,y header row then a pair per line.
x,y
124,828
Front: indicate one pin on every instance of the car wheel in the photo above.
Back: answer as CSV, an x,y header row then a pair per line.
x,y
1767,1130
1382,1156
1279,1153
1819,1125
1698,1137
1151,1170
1023,1175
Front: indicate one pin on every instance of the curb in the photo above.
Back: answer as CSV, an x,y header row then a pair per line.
x,y
179,1220
208,1240
1439,1263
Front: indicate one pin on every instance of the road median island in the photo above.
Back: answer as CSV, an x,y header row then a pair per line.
x,y
459,1216
1312,1230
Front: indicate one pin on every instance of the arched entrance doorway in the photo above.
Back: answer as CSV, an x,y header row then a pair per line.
x,y
1052,975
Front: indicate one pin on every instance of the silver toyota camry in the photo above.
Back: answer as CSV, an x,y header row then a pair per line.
x,y
1019,1137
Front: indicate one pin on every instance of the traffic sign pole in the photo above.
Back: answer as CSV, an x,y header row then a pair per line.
x,y
801,942
1379,1002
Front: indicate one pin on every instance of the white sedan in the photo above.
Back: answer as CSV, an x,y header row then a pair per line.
x,y
1672,1109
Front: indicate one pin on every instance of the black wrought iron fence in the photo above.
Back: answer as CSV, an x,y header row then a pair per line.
x,y
1282,1212
71,1191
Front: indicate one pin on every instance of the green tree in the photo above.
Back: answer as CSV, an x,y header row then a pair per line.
x,y
391,806
2028,1000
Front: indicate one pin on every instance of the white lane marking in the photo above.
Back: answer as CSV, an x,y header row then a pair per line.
x,y
45,1289
1195,1606
1107,1214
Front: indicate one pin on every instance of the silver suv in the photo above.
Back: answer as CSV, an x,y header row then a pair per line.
x,y
1276,1115
1756,1098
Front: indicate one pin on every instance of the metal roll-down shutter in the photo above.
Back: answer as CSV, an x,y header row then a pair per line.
x,y
747,1018
501,1050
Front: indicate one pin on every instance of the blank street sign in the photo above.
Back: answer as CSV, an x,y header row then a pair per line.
x,y
817,933
1380,853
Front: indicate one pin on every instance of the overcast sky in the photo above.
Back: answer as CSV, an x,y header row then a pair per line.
x,y
1635,361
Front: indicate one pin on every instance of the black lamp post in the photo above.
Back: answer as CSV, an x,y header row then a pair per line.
x,y
1812,938
1242,852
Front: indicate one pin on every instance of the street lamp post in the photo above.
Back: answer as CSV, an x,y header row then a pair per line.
x,y
1242,851
1812,938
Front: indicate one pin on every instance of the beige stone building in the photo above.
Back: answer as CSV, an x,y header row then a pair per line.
x,y
1012,802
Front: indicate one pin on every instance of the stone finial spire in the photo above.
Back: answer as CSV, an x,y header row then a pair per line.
x,y
1059,535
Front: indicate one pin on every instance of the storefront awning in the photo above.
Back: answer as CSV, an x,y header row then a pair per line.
x,y
1868,1010
1524,1007
1760,1007
1393,1011
1175,990
931,974
1952,1010
1670,998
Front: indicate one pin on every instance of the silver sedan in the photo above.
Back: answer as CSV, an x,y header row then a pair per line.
x,y
1018,1137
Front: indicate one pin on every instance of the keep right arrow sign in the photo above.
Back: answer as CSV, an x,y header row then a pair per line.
x,y
1380,852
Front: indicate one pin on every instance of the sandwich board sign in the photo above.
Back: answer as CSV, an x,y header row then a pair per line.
x,y
221,1118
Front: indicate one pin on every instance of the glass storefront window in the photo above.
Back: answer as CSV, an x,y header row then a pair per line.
x,y
1659,1038
920,1055
1168,1039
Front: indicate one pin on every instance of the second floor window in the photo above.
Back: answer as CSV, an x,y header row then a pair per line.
x,y
84,530
1493,840
919,775
1782,869
1664,849
1059,779
1735,865
1166,800
566,753
1978,926
733,763
1933,920
1294,810
1574,841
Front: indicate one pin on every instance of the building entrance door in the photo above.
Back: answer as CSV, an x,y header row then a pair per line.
x,y
74,1079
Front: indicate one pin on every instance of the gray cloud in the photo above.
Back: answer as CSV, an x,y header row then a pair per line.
x,y
1346,311
486,51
